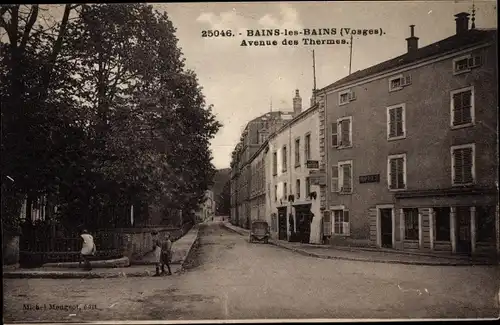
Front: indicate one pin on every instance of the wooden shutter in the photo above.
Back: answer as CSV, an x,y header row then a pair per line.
x,y
393,173
346,224
400,174
399,121
327,225
407,80
346,178
335,178
466,106
457,109
392,123
345,131
335,135
458,166
467,165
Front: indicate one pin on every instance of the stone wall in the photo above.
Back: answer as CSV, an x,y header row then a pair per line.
x,y
137,242
10,248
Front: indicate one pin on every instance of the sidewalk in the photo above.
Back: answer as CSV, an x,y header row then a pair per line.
x,y
181,249
371,254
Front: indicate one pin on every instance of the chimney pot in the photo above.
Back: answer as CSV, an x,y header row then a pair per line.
x,y
297,103
412,41
462,22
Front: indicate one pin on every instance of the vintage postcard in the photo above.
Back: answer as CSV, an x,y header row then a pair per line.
x,y
249,161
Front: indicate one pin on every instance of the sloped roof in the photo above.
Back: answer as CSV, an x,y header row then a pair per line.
x,y
451,44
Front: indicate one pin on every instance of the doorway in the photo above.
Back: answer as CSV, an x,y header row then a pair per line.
x,y
303,218
463,230
282,233
386,227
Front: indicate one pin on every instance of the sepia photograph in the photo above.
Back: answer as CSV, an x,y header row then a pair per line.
x,y
239,162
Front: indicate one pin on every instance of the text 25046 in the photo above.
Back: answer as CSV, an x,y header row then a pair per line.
x,y
216,33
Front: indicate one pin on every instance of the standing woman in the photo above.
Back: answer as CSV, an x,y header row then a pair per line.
x,y
88,249
157,252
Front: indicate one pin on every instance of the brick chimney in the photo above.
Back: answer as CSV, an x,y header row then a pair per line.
x,y
462,22
412,41
297,103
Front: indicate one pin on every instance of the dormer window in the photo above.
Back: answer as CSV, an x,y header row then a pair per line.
x,y
346,96
466,63
399,82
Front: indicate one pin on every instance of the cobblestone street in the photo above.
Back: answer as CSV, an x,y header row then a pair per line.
x,y
229,278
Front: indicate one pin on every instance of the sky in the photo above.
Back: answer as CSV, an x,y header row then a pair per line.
x,y
243,83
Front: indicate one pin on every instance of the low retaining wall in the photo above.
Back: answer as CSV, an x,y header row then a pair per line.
x,y
137,242
10,248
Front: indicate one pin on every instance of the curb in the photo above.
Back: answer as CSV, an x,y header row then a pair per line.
x,y
98,264
195,242
328,257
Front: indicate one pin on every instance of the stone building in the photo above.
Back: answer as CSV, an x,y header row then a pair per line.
x,y
409,148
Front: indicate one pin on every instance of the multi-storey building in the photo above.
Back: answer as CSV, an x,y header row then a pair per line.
x,y
258,184
409,148
292,153
252,138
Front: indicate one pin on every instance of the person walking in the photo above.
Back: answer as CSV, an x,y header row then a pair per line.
x,y
88,249
157,251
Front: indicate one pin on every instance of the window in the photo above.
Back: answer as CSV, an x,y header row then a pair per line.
x,y
285,191
275,193
275,163
396,169
297,152
341,222
411,223
307,146
327,227
485,224
442,223
346,96
398,82
463,164
335,178
297,188
396,124
466,63
308,186
345,169
335,135
345,130
462,107
283,167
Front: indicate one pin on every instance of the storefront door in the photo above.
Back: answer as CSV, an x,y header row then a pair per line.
x,y
282,234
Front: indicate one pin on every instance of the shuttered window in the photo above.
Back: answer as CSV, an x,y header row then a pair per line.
x,y
341,222
297,188
335,178
307,146
308,186
345,131
396,122
397,170
327,224
275,163
297,152
462,108
346,177
334,134
462,161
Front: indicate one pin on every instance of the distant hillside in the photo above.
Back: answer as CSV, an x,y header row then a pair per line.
x,y
220,179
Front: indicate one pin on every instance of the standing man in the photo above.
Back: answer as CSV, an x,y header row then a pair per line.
x,y
157,251
88,249
166,252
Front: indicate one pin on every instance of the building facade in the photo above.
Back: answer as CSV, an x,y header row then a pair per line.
x,y
207,208
409,148
258,184
252,138
293,200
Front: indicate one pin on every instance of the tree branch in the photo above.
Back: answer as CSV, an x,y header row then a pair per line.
x,y
29,25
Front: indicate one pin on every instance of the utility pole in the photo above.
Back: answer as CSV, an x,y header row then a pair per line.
x,y
350,55
314,71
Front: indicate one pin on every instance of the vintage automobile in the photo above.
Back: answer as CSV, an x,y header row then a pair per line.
x,y
259,232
